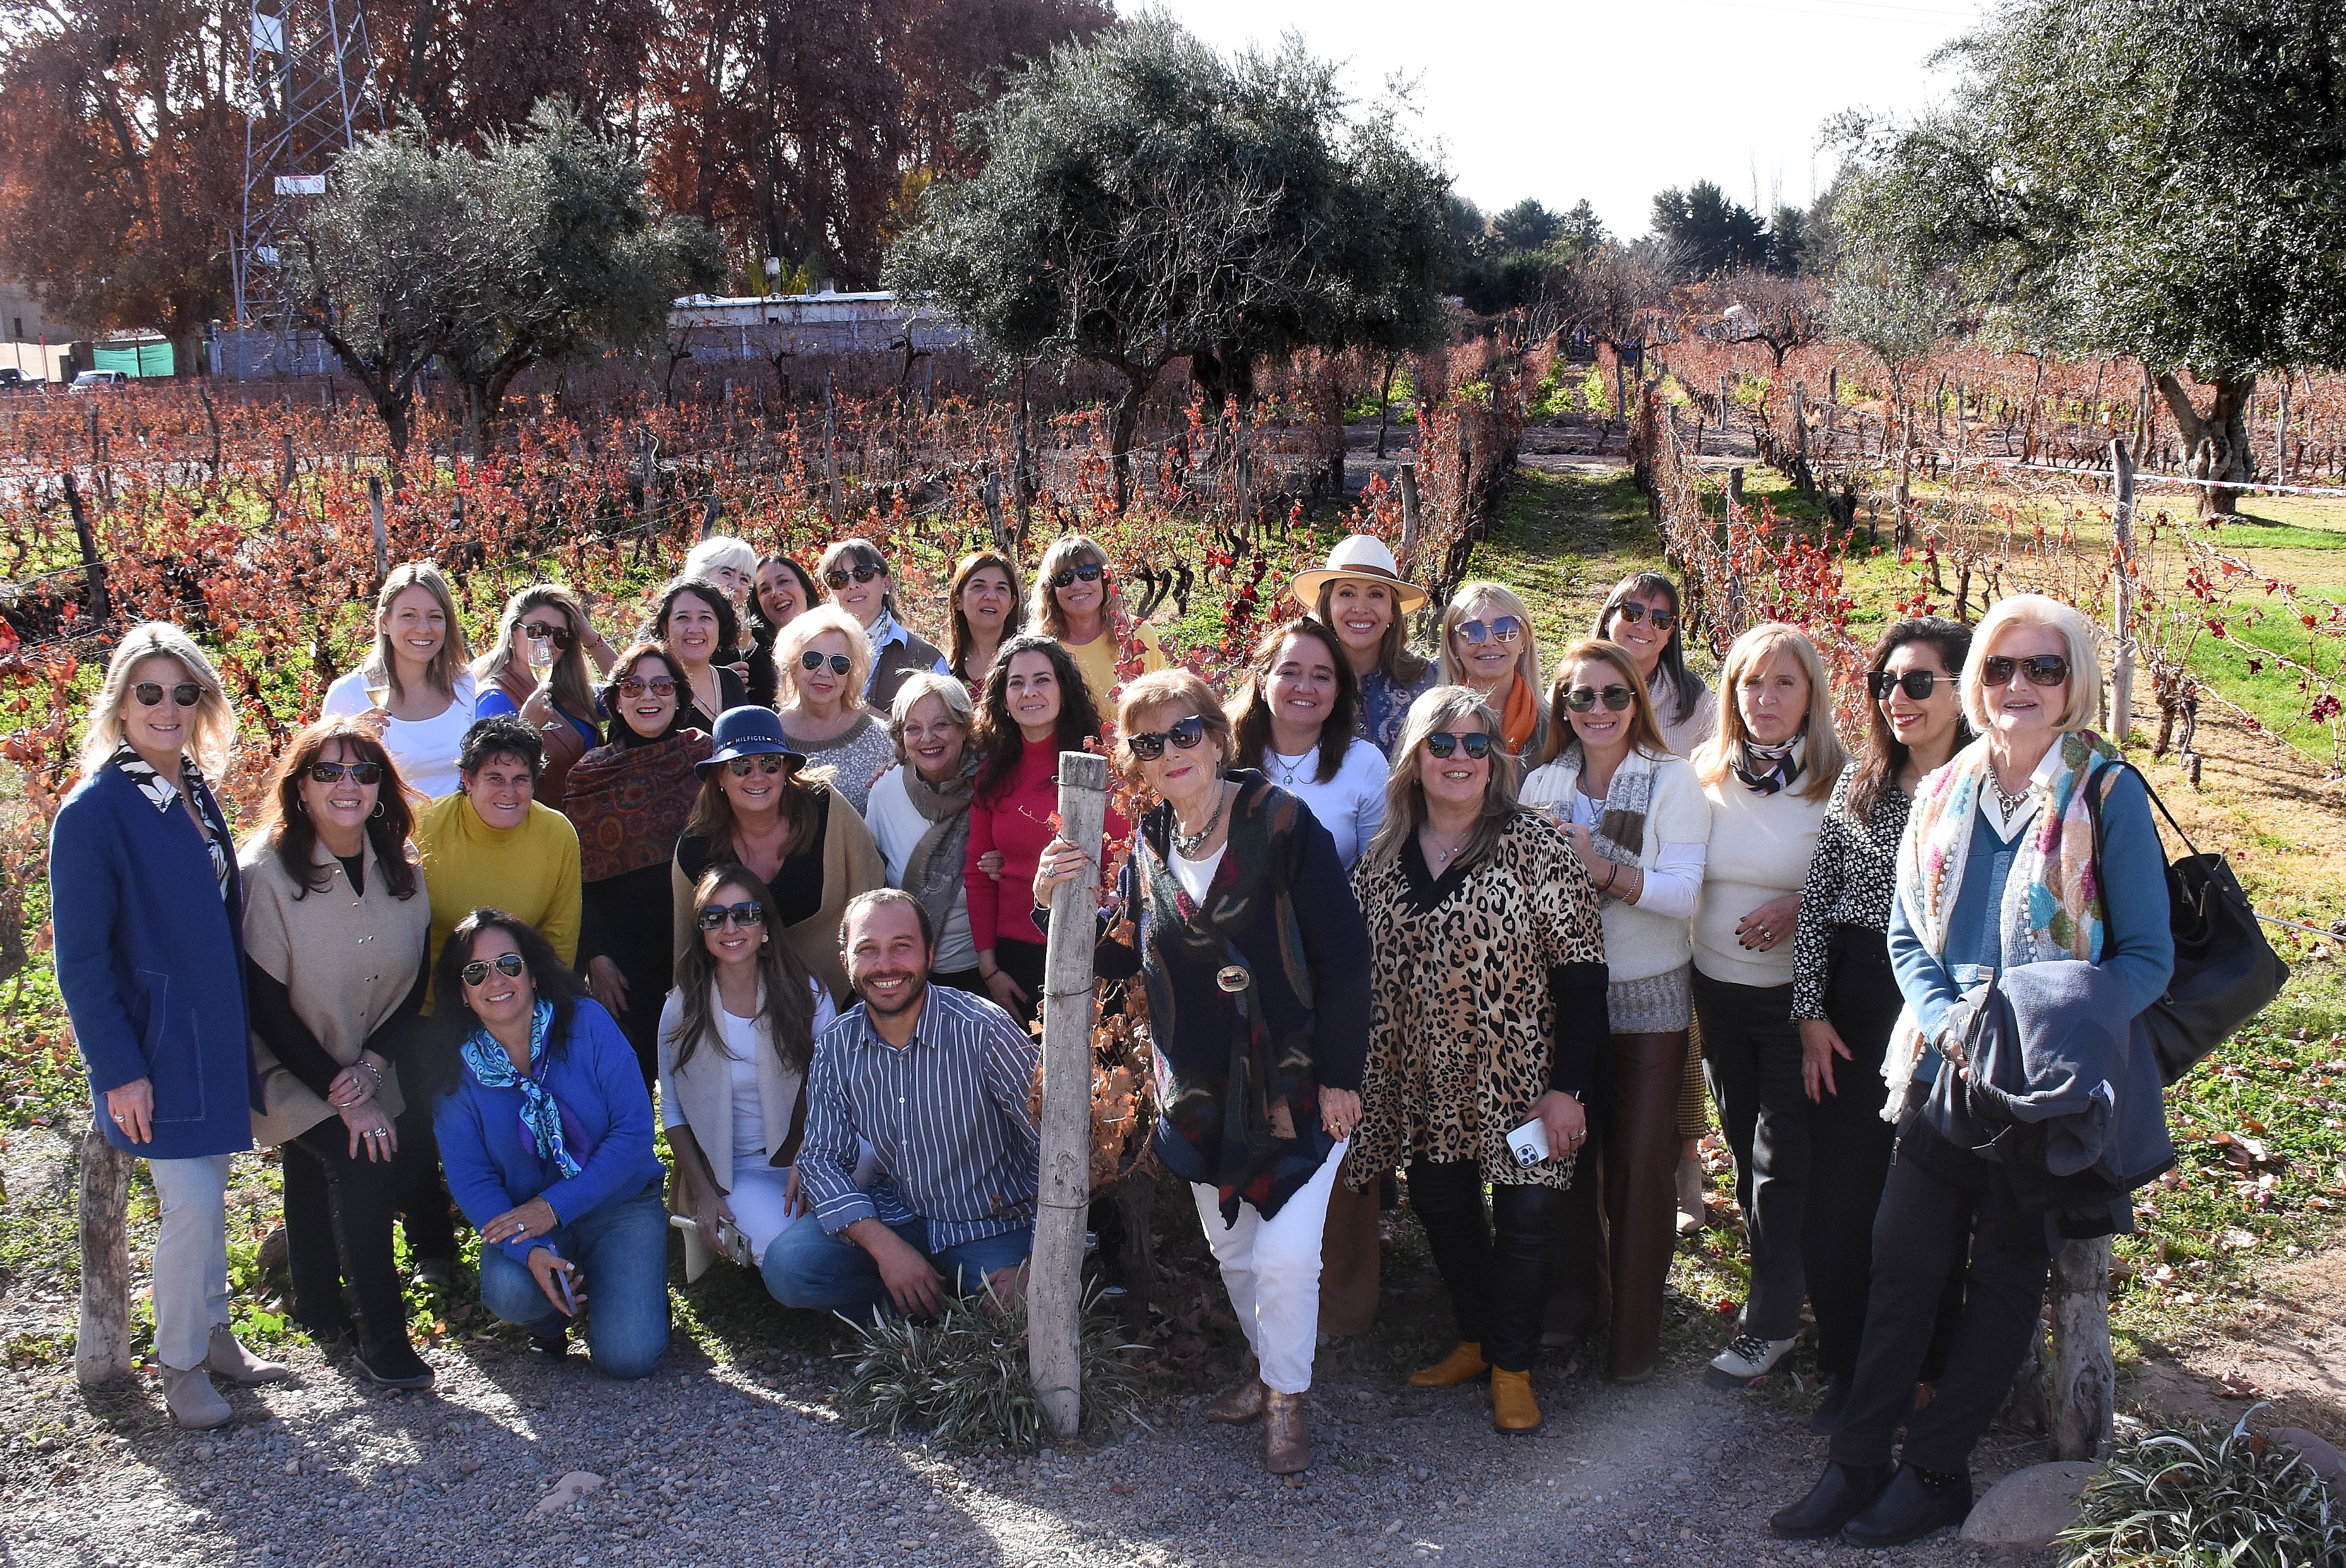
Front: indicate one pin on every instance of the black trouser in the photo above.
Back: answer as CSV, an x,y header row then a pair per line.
x,y
1849,1145
422,1195
338,1213
1751,1055
1023,961
1944,1212
1497,1285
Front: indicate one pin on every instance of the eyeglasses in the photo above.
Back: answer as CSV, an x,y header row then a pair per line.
x,y
149,693
746,913
2043,670
1184,733
1631,611
839,663
1918,684
542,631
1442,743
334,772
1616,698
1505,629
658,686
764,762
839,576
508,964
1067,578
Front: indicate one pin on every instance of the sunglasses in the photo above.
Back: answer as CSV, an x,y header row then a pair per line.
x,y
1616,698
1631,611
1918,684
540,632
334,772
764,762
1505,629
717,916
839,663
2043,670
508,964
839,576
1184,733
1087,573
1442,743
186,694
658,686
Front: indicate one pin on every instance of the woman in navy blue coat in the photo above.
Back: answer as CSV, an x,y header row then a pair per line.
x,y
149,910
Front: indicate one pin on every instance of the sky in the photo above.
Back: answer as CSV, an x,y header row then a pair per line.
x,y
1562,99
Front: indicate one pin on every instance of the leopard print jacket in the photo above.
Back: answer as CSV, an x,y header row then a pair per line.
x,y
1462,1022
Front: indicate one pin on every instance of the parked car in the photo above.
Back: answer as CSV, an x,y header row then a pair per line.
x,y
99,380
11,378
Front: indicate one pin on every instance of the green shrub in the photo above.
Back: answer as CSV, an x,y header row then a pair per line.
x,y
2198,1497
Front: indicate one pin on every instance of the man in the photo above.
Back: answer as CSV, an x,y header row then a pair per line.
x,y
936,1081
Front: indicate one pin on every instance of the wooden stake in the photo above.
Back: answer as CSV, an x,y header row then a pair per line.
x,y
2121,609
101,607
1407,468
2083,1378
382,542
102,1346
830,443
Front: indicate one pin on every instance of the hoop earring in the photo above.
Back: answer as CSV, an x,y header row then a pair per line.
x,y
378,810
300,805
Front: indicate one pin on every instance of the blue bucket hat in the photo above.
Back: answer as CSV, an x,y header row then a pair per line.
x,y
749,732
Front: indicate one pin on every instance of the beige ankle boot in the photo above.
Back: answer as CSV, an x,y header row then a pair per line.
x,y
231,1360
192,1401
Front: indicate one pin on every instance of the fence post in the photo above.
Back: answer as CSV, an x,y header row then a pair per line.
x,y
1407,468
830,443
1055,1284
382,542
101,609
992,497
2083,1380
102,1346
2122,594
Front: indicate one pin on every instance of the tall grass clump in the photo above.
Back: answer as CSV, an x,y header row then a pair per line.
x,y
2200,1497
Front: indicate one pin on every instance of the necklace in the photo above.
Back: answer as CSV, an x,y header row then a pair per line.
x,y
2011,802
1185,844
1440,860
1287,765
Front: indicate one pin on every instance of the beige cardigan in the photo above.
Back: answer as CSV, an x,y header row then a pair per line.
x,y
851,865
347,962
704,1093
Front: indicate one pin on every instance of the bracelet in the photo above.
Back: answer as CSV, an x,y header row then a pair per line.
x,y
369,1068
1612,874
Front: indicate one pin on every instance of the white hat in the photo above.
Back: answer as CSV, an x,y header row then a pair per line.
x,y
1365,558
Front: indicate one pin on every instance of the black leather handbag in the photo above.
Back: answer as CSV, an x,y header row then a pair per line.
x,y
2225,970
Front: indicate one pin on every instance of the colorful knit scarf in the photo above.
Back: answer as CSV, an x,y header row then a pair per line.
x,y
541,1118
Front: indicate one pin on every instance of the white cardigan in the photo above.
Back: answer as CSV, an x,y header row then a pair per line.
x,y
1650,937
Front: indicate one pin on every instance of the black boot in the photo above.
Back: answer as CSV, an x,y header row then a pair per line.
x,y
1916,1503
1842,1492
392,1362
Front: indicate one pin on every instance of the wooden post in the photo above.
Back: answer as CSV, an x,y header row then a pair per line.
x,y
992,497
1054,1284
2280,435
1022,466
101,607
382,542
709,516
1726,402
2121,596
830,443
2083,1377
102,1346
1407,470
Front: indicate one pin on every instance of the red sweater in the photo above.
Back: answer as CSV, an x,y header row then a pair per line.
x,y
1017,820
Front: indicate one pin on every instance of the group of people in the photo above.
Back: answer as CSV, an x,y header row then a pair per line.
x,y
779,873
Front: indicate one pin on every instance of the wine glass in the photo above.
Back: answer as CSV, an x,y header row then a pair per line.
x,y
541,655
378,688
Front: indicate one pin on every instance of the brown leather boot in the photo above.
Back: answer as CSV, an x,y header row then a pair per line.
x,y
1463,1365
1286,1441
1238,1404
1513,1409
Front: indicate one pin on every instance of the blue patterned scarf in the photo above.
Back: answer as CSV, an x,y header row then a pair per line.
x,y
493,1068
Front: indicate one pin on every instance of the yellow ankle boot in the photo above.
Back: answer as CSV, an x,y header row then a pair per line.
x,y
1513,1409
1463,1365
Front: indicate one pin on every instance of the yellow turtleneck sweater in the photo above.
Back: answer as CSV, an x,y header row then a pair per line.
x,y
531,872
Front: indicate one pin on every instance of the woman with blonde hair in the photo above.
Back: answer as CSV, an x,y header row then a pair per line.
x,y
919,814
414,677
1488,647
1487,1002
1767,774
148,906
1076,603
538,668
860,584
823,665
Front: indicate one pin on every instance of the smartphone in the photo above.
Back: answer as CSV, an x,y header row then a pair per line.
x,y
562,1286
1529,1142
732,1243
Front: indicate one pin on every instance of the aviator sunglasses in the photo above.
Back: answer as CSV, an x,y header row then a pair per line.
x,y
1442,743
542,632
508,964
1631,611
1185,733
839,663
748,913
656,685
1089,572
763,761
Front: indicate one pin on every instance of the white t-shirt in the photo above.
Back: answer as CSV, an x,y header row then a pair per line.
x,y
423,749
1197,876
1351,806
897,826
742,1041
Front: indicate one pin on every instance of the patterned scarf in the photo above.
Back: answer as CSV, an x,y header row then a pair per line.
x,y
163,795
541,1118
629,800
2052,903
1770,769
932,872
1620,832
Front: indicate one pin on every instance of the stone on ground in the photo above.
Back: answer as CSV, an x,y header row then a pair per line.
x,y
2028,1508
2327,1462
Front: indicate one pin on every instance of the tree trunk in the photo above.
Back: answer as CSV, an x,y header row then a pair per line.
x,y
1385,402
2217,444
1121,430
102,1346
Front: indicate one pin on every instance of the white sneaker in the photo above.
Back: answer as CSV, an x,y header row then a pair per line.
x,y
1746,1356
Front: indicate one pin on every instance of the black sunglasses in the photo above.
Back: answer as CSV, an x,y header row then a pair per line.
x,y
1616,698
2043,670
1184,733
1631,611
333,773
838,577
149,693
658,686
1441,743
764,762
539,631
508,964
746,914
1918,684
839,663
1068,576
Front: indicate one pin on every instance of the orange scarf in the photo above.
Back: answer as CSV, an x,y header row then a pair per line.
x,y
1522,718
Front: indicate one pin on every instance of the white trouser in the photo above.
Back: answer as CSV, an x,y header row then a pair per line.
x,y
190,1257
755,1201
1271,1269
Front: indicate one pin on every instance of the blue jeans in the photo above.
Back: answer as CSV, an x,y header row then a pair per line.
x,y
805,1267
621,1251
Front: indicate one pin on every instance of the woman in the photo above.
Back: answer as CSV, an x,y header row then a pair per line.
x,y
1997,871
1487,987
1257,970
148,908
1076,603
1036,705
1296,722
1360,594
735,1038
538,670
793,833
629,801
334,929
547,1133
1845,1000
821,663
726,561
695,622
1767,774
857,575
785,591
985,611
1640,828
1488,647
415,677
919,814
